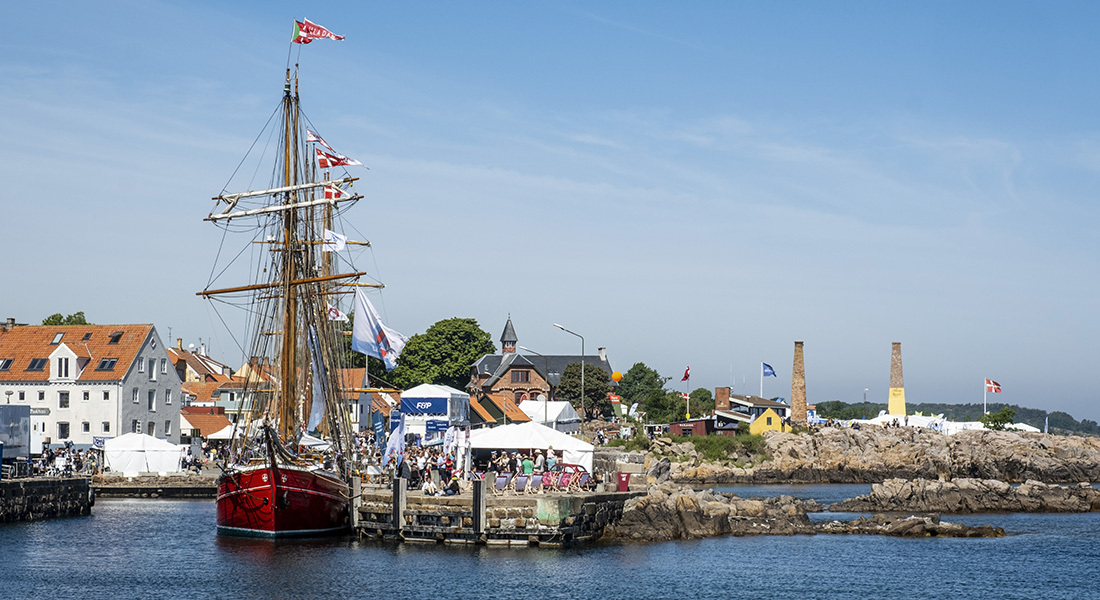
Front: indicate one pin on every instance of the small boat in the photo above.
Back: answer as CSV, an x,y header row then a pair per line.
x,y
272,484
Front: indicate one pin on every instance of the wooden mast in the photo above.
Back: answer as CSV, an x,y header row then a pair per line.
x,y
289,354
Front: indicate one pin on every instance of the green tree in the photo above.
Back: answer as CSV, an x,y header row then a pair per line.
x,y
597,384
76,318
442,354
702,402
662,406
998,420
639,381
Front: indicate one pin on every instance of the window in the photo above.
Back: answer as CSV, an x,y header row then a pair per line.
x,y
41,396
135,426
37,364
168,428
152,429
521,376
141,365
167,396
87,396
86,427
115,337
106,396
164,366
5,363
63,431
63,367
106,364
22,396
135,395
152,369
63,399
106,427
87,336
57,338
769,420
152,402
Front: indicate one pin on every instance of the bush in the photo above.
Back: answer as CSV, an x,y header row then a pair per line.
x,y
634,444
714,448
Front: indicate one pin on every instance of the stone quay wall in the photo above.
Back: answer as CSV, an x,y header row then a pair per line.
x,y
479,516
44,498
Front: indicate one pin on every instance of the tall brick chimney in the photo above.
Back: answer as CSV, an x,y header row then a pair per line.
x,y
721,398
896,404
798,387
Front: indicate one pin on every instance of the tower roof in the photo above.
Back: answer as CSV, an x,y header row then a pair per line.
x,y
509,335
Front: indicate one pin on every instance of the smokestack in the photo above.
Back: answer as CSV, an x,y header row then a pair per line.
x,y
179,344
798,387
896,404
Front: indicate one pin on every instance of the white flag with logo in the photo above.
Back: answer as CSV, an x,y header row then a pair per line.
x,y
335,314
334,242
370,336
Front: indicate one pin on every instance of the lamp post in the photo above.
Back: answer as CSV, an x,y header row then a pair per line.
x,y
864,403
546,369
583,414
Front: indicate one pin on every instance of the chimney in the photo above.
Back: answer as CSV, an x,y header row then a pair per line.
x,y
798,387
721,398
896,405
179,344
9,324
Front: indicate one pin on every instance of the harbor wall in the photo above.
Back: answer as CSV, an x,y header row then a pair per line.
x,y
482,517
44,498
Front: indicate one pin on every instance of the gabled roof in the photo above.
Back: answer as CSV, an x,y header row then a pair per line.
x,y
207,424
96,342
549,367
481,412
201,365
509,408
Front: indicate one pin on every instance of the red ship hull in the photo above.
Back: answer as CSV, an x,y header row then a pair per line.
x,y
282,501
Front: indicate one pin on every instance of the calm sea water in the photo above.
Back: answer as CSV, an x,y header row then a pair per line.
x,y
167,549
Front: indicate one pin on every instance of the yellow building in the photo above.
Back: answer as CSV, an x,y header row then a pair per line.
x,y
768,420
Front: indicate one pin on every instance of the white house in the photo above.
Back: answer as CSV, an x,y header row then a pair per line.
x,y
86,381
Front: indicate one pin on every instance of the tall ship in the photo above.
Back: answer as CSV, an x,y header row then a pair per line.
x,y
289,462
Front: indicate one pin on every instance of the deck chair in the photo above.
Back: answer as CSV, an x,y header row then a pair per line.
x,y
519,483
536,484
580,482
501,483
564,480
549,480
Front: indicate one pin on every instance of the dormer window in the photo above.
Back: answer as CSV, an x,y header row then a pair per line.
x,y
37,364
57,338
115,337
107,364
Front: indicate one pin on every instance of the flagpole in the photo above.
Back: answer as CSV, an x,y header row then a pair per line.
x,y
985,393
761,380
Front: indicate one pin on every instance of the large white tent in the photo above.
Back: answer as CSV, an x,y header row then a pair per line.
x,y
556,414
533,435
135,453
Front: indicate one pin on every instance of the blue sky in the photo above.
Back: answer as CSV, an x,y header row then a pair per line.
x,y
682,183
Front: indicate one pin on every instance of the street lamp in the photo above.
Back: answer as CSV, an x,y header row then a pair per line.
x,y
546,402
583,414
864,403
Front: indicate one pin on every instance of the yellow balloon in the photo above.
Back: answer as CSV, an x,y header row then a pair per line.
x,y
617,376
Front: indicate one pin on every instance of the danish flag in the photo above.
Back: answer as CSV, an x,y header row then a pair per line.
x,y
992,386
327,161
687,373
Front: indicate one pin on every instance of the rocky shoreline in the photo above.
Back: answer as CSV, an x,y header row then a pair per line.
x,y
672,512
873,455
967,496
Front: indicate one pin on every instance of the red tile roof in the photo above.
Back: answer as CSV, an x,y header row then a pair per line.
x,y
35,341
207,424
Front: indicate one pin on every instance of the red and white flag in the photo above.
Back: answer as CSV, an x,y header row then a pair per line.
x,y
305,32
992,386
313,138
687,373
333,193
685,396
327,161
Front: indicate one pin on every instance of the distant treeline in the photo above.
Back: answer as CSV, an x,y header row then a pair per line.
x,y
1060,422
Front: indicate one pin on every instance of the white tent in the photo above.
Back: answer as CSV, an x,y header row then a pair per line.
x,y
556,414
535,436
135,453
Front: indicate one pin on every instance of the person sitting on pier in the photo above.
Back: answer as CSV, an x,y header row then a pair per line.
x,y
429,487
452,488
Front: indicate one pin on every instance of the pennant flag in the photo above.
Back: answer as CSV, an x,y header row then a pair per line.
x,y
327,161
334,242
305,32
335,314
768,370
992,386
687,373
370,336
312,137
334,193
395,447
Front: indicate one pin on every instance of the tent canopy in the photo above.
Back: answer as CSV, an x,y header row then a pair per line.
x,y
429,399
139,453
556,413
535,436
